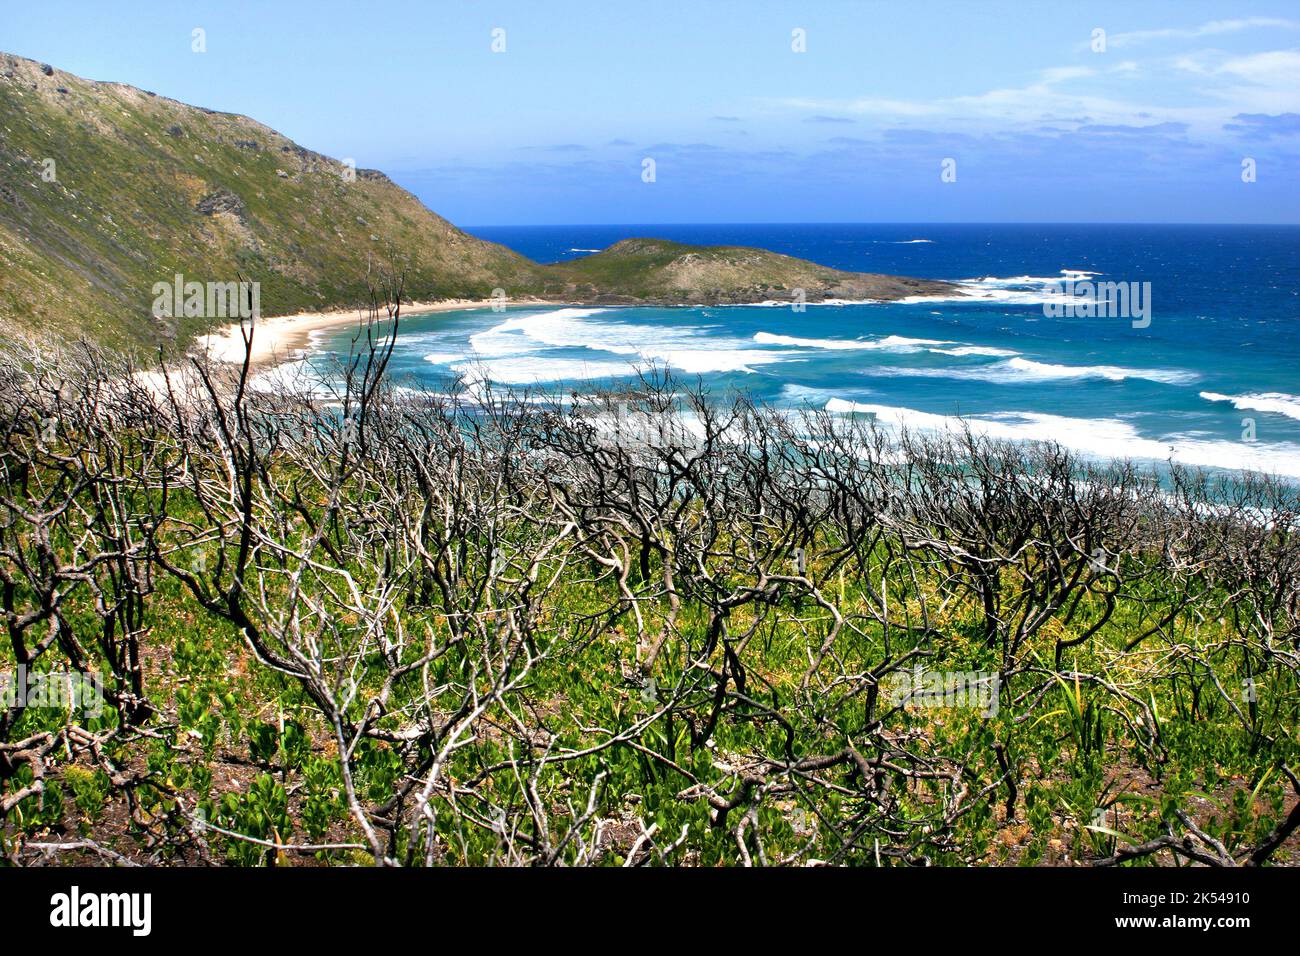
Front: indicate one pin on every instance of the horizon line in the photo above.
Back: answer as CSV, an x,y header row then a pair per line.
x,y
852,222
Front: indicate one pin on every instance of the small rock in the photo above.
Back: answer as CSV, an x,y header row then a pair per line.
x,y
221,201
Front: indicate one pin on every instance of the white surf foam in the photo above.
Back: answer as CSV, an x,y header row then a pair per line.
x,y
1046,371
889,342
444,358
508,352
895,343
786,303
700,361
1020,370
531,331
1277,402
963,350
1011,290
1102,438
533,370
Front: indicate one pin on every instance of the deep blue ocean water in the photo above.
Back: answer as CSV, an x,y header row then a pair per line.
x,y
1219,358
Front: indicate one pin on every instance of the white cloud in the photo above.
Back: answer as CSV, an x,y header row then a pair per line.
x,y
1060,74
1193,63
866,105
1279,68
1210,28
1005,106
1263,82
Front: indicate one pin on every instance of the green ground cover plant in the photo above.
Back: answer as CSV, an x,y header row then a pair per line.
x,y
653,627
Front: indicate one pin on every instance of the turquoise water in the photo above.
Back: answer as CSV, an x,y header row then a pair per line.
x,y
1211,380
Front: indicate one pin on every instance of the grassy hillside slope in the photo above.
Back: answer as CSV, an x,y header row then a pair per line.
x,y
674,273
146,187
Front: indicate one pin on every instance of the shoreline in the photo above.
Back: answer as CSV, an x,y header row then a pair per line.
x,y
283,338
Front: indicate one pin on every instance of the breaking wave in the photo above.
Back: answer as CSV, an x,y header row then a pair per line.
x,y
1277,402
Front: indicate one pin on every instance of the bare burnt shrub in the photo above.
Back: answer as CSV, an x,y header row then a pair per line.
x,y
641,626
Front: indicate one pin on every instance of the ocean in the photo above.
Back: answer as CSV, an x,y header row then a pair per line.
x,y
1211,377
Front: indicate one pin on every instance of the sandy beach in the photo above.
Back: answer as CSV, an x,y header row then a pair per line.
x,y
282,338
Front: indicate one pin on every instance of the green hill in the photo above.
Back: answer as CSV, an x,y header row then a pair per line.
x,y
106,189
656,270
145,187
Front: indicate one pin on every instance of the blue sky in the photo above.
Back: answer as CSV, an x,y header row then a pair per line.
x,y
741,127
